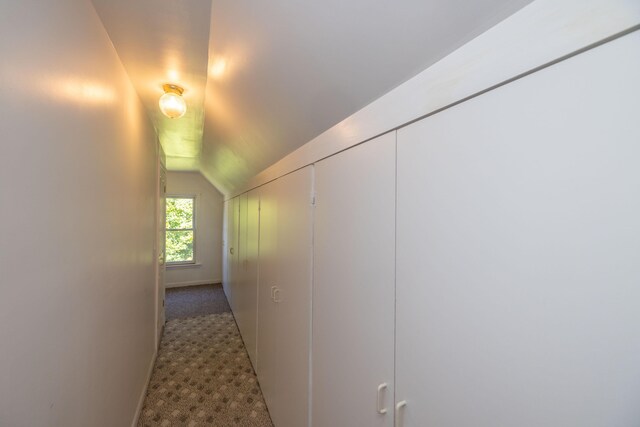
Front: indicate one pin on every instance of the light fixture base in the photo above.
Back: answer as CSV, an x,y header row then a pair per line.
x,y
171,88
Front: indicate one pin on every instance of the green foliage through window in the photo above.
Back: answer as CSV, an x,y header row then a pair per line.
x,y
180,229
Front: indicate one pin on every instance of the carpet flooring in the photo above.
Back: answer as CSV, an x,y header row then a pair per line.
x,y
192,301
203,375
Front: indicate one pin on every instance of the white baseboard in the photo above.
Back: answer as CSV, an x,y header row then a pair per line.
x,y
193,283
136,416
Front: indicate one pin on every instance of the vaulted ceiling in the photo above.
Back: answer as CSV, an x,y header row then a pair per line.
x,y
262,78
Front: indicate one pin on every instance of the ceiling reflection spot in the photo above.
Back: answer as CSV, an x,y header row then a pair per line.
x,y
218,68
87,92
173,75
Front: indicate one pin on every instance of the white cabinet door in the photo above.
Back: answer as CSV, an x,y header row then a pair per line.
x,y
518,248
232,256
226,258
267,266
250,287
293,296
242,272
285,297
354,287
242,292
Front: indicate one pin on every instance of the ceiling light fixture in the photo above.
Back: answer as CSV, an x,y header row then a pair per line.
x,y
172,103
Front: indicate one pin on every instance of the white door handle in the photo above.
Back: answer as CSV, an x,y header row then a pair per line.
x,y
379,403
276,293
399,413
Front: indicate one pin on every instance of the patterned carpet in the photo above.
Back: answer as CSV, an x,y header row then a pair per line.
x,y
203,377
192,301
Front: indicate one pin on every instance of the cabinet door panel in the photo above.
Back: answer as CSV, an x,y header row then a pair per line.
x,y
354,286
517,252
284,329
295,228
267,261
250,288
247,291
233,206
226,245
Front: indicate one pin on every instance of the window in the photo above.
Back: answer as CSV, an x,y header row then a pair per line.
x,y
180,230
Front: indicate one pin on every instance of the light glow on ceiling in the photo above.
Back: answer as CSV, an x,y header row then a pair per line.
x,y
173,75
87,92
218,68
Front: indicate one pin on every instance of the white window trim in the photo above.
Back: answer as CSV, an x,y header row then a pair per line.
x,y
193,262
179,265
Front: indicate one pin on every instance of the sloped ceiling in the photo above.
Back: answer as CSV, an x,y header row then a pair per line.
x,y
262,78
165,41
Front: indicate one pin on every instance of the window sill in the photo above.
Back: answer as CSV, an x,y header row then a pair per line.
x,y
183,265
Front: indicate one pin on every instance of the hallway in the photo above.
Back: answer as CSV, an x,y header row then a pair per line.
x,y
192,301
419,213
202,376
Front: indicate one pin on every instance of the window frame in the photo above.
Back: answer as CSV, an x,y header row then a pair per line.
x,y
193,229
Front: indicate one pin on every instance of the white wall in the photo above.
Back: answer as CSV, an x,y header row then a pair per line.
x,y
209,213
77,200
538,34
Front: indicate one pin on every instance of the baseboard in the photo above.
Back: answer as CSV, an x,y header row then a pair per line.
x,y
136,416
194,283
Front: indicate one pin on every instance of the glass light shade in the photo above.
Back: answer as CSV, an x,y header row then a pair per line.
x,y
172,105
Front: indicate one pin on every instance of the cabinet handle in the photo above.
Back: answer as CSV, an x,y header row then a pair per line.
x,y
380,404
273,289
276,292
231,251
400,414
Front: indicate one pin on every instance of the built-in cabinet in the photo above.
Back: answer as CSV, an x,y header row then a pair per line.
x,y
240,266
516,292
232,219
270,285
250,294
478,267
354,287
245,289
284,297
240,270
